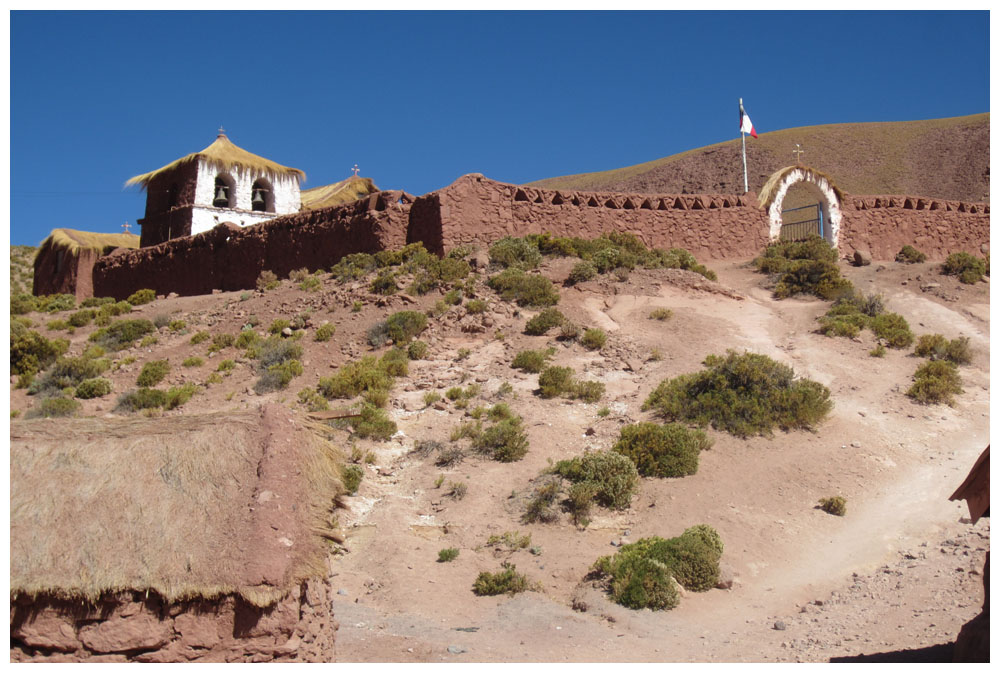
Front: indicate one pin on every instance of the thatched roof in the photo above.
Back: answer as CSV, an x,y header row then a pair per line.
x,y
184,506
770,188
224,155
73,241
345,191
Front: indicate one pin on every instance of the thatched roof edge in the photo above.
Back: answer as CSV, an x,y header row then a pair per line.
x,y
345,191
73,241
770,188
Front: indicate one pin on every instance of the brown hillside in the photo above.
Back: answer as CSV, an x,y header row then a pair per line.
x,y
944,158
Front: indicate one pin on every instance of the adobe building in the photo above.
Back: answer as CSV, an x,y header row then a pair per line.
x,y
221,183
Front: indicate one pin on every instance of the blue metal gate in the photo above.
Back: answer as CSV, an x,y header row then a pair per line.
x,y
807,222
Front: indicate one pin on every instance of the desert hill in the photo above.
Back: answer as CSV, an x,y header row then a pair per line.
x,y
943,158
899,571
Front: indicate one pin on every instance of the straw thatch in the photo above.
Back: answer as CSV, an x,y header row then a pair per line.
x,y
187,507
224,155
345,191
73,241
770,188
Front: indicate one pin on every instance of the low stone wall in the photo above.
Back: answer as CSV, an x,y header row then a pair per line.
x,y
231,258
131,627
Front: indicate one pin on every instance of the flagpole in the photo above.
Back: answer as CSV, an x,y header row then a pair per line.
x,y
743,141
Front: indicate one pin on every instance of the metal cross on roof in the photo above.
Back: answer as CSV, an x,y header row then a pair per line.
x,y
222,131
126,226
798,152
355,169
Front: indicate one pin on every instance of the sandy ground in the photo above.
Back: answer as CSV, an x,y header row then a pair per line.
x,y
901,571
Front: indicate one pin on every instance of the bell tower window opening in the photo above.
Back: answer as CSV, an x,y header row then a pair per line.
x,y
225,195
262,196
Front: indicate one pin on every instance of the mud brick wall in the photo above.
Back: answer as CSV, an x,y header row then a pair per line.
x,y
936,227
231,258
132,627
61,272
475,210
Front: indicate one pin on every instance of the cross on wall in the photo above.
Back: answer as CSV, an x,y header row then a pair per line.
x,y
126,227
356,170
798,152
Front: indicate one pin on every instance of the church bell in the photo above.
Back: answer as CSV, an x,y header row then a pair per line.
x,y
220,197
258,200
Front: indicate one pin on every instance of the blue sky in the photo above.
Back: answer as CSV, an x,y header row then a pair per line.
x,y
417,99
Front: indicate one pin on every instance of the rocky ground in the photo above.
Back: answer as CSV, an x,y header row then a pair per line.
x,y
901,571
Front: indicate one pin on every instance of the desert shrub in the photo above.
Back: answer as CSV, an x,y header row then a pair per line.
x,y
662,450
505,441
457,490
613,476
910,255
161,320
82,317
447,555
53,303
510,540
152,373
220,341
311,284
544,321
808,267
568,332
279,324
417,350
267,280
91,388
373,423
476,306
378,334
176,325
579,501
401,327
531,361
588,391
140,297
122,333
247,338
430,397
594,339
199,337
94,302
351,476
22,303
193,361
180,395
541,505
143,398
515,252
299,275
275,350
836,505
507,581
936,382
225,366
893,329
277,376
54,407
582,272
395,362
877,352
743,394
59,325
661,314
969,269
527,290
30,352
385,283
612,258
555,381
68,373
936,347
640,582
325,331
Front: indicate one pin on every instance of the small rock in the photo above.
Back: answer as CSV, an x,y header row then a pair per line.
x,y
780,626
455,649
342,592
856,444
287,332
862,257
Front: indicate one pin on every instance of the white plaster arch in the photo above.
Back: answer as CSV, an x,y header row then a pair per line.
x,y
773,194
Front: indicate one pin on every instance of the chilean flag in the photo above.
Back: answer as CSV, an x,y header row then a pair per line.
x,y
746,126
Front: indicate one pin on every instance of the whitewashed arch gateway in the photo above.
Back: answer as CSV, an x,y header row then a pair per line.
x,y
776,187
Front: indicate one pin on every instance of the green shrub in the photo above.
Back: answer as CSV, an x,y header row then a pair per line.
x,y
373,423
378,334
277,376
640,582
743,394
143,398
122,333
199,337
351,476
936,382
476,306
275,350
707,535
527,290
176,325
510,540
505,441
531,361
59,325
152,373
94,302
447,555
82,317
661,314
937,347
507,581
91,388
582,272
541,506
385,283
220,341
431,397
267,280
325,331
893,329
910,255
278,325
662,450
515,253
69,373
594,339
878,351
22,303
835,505
405,325
141,297
555,381
30,352
613,476
247,338
310,284
353,378
417,350
808,267
53,303
180,395
544,321
193,361
588,391
969,269
54,407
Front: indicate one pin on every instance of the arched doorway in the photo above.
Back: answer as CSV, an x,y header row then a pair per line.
x,y
803,201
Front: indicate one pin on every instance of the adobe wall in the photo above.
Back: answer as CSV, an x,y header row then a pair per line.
x,y
231,258
132,627
936,227
57,271
476,210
